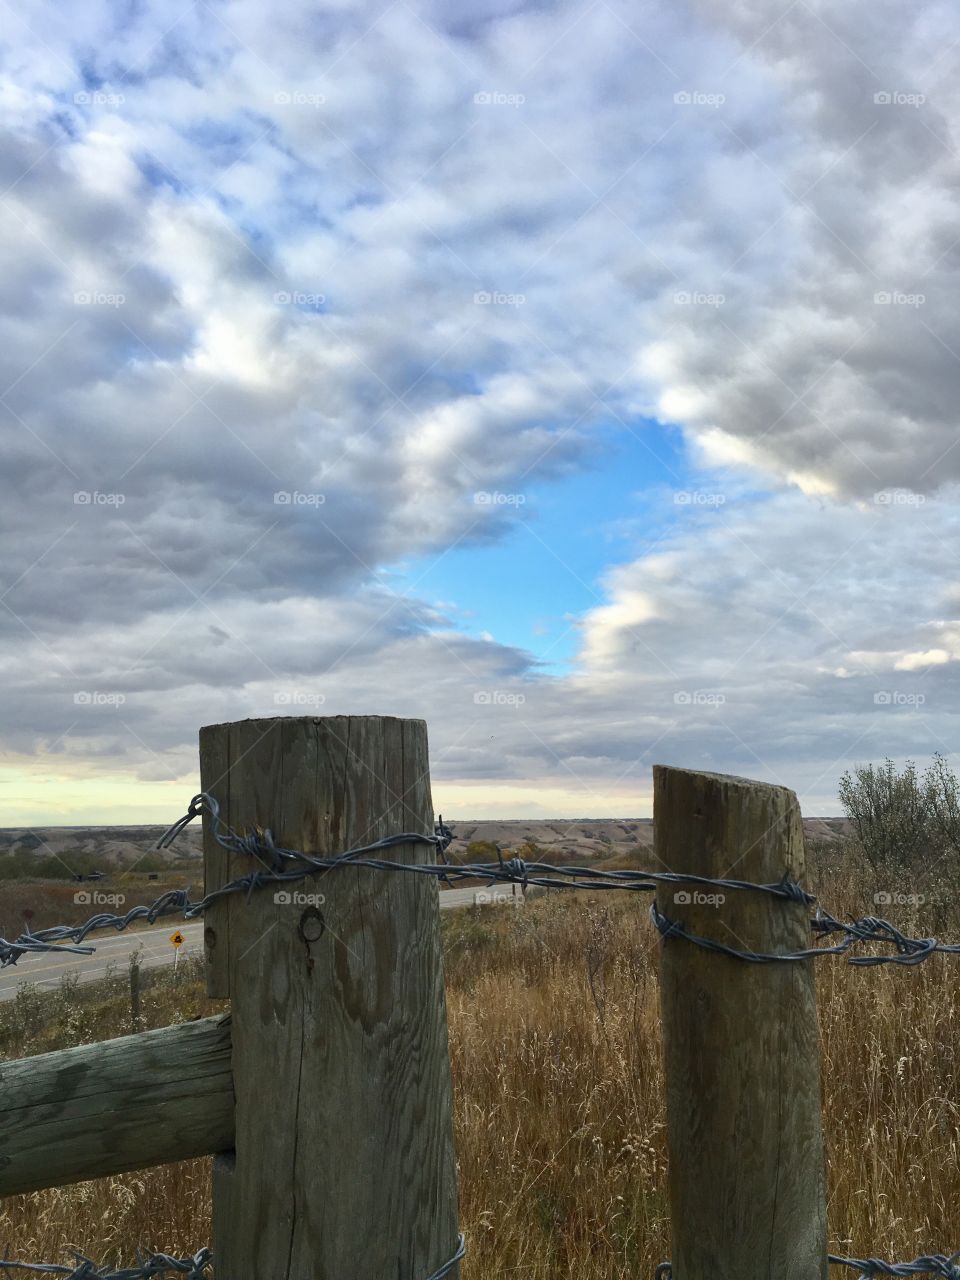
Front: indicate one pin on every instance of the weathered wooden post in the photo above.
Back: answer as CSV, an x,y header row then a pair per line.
x,y
135,1021
344,1162
740,1040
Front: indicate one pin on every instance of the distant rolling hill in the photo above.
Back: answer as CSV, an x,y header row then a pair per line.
x,y
563,840
555,839
106,846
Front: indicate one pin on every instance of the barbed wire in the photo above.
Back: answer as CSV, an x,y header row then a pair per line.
x,y
279,865
148,1266
936,1264
161,1264
58,937
909,951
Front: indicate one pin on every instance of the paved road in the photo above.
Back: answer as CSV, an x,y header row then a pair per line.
x,y
46,969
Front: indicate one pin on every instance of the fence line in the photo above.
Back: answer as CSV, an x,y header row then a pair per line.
x,y
337,1089
196,1267
162,1264
301,865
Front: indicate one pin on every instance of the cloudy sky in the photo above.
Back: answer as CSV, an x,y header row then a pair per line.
x,y
582,378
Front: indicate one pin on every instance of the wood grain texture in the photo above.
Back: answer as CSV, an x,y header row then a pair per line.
x,y
122,1104
740,1040
344,1162
215,779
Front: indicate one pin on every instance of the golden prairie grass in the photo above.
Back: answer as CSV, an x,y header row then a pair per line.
x,y
555,1048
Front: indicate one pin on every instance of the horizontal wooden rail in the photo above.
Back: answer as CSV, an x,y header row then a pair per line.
x,y
122,1104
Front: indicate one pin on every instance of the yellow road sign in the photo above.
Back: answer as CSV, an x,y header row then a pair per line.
x,y
177,938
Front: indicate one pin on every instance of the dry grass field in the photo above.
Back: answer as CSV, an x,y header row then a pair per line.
x,y
40,903
559,1098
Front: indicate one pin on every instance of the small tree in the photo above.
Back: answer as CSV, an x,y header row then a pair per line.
x,y
902,821
890,812
943,799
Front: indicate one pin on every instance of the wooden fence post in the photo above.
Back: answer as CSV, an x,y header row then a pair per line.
x,y
740,1040
344,1161
135,1019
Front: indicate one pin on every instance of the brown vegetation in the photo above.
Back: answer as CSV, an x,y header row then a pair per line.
x,y
559,1112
